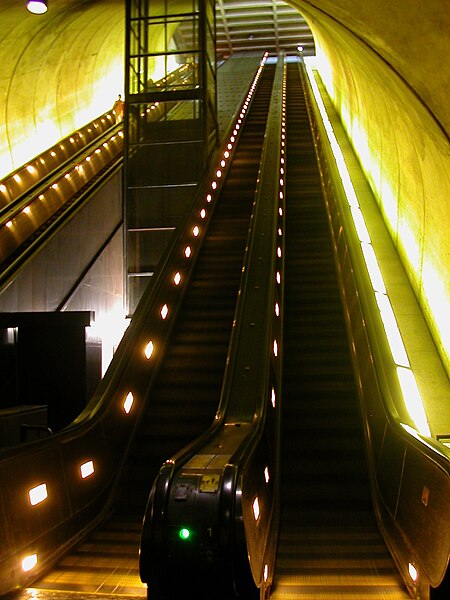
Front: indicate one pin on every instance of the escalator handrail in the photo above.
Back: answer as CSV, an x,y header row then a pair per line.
x,y
10,210
236,409
14,264
102,424
409,539
157,504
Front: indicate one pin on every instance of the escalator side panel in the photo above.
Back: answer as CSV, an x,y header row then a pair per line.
x,y
329,541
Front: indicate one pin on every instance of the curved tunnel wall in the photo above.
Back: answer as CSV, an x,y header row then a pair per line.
x,y
386,68
395,109
58,72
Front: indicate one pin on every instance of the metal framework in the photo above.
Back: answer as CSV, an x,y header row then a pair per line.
x,y
170,124
259,26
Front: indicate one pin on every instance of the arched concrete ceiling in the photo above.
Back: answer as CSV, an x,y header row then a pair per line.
x,y
59,69
385,64
411,36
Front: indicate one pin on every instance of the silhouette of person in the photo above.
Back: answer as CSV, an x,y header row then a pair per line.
x,y
118,108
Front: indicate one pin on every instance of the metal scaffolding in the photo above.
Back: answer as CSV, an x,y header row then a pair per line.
x,y
170,125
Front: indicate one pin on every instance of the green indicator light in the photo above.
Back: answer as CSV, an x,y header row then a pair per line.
x,y
184,533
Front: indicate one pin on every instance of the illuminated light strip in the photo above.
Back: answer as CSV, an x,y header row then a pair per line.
x,y
408,384
413,400
214,185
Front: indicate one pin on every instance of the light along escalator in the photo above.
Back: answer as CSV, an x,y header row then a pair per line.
x,y
38,198
186,394
329,544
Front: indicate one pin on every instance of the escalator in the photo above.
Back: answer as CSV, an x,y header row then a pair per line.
x,y
185,397
329,544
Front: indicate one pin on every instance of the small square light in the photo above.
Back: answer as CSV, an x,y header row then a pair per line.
x,y
38,494
87,469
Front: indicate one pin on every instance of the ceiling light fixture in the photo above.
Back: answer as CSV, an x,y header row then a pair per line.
x,y
37,7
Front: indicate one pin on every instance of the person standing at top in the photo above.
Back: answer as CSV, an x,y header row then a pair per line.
x,y
118,108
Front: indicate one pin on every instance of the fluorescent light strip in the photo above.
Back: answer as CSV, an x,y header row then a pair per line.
x,y
408,384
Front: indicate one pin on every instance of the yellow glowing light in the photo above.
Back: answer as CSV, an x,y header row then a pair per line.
x,y
149,349
410,243
275,348
208,198
164,311
2,188
38,494
31,169
17,178
27,210
360,224
279,252
374,270
406,378
436,291
256,511
218,173
214,185
87,469
266,475
392,331
223,163
226,154
413,400
277,309
390,202
412,572
29,562
273,398
203,213
278,277
187,251
55,186
266,573
128,402
9,224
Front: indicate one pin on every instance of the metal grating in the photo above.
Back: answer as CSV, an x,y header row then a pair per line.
x,y
260,25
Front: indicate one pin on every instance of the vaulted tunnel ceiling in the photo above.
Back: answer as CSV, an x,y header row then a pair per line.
x,y
260,25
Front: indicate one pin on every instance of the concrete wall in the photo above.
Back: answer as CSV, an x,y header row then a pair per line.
x,y
58,71
386,65
387,71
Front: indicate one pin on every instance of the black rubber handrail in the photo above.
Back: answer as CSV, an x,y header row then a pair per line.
x,y
244,411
